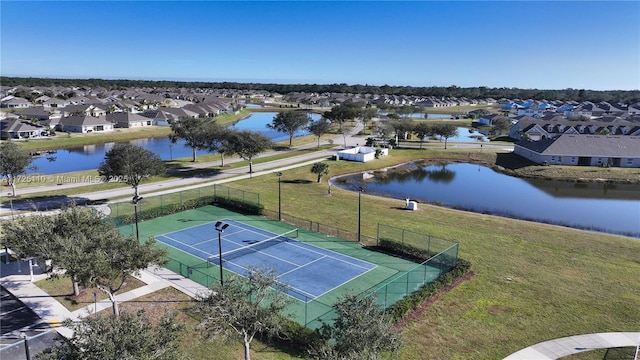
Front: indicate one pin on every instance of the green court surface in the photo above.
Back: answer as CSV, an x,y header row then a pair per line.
x,y
392,279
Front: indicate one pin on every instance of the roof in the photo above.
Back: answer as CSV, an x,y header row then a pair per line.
x,y
13,125
125,117
586,145
84,120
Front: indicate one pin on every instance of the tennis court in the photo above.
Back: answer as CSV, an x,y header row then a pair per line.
x,y
318,268
308,271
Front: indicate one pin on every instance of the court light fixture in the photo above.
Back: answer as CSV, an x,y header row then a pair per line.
x,y
135,201
220,226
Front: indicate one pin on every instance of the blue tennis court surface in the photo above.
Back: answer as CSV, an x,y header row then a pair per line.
x,y
309,271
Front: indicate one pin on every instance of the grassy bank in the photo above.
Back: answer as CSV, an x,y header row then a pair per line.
x,y
533,282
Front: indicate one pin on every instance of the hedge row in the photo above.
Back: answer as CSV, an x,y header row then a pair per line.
x,y
404,307
158,211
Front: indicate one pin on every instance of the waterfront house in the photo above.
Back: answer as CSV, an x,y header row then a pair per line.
x,y
18,129
580,149
128,120
85,124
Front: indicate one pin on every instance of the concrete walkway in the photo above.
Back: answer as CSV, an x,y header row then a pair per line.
x,y
52,312
558,348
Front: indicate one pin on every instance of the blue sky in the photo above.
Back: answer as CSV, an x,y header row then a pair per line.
x,y
545,45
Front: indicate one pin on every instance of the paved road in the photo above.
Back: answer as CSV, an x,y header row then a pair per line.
x,y
169,186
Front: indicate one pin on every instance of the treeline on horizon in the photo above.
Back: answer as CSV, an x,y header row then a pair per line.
x,y
579,95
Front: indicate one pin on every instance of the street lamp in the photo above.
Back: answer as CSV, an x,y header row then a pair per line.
x,y
279,198
360,191
26,345
220,226
136,199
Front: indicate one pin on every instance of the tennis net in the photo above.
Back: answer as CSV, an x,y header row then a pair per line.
x,y
253,248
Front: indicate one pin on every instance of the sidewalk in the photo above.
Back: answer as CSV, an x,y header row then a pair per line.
x,y
53,313
558,348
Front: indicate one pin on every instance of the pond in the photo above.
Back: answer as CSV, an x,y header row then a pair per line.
x,y
90,156
612,208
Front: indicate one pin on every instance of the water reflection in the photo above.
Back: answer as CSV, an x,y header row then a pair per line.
x,y
613,208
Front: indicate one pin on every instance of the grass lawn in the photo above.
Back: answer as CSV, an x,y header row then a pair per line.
x,y
533,282
62,289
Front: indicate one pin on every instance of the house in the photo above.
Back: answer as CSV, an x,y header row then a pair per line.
x,y
163,115
128,120
585,150
85,124
35,112
84,109
18,129
12,102
361,153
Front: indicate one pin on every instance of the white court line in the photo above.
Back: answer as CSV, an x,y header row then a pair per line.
x,y
329,255
187,245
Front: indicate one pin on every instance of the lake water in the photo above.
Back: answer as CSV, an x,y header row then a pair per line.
x,y
613,208
90,156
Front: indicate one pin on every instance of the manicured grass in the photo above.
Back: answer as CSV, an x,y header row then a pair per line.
x,y
533,282
62,289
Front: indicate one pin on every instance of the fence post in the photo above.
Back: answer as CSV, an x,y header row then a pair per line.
x,y
429,245
406,292
378,235
402,237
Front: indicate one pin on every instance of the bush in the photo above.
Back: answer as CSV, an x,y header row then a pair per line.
x,y
403,308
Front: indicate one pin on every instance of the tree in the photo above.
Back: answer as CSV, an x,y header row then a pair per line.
x,y
343,112
247,144
366,115
319,128
130,164
192,131
446,131
243,308
320,168
131,336
289,122
114,259
13,162
92,252
63,238
217,140
501,124
422,130
359,331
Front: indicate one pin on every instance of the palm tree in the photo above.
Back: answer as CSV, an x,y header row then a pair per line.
x,y
320,169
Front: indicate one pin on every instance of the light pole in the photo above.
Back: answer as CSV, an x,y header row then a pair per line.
x,y
220,226
360,191
136,199
279,197
26,345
